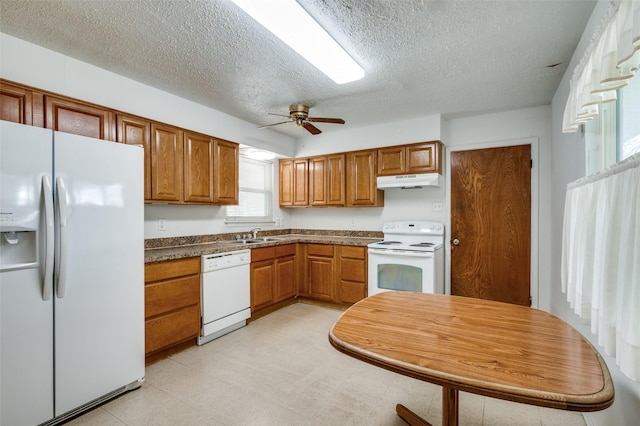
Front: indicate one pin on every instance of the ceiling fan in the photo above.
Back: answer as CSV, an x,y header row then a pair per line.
x,y
299,114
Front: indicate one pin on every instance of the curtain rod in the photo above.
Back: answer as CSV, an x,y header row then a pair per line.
x,y
629,163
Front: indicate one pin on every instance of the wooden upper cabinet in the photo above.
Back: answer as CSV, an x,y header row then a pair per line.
x,y
327,180
361,179
300,182
294,182
16,104
410,159
318,181
226,175
198,168
391,161
336,178
424,158
79,118
285,183
137,131
166,162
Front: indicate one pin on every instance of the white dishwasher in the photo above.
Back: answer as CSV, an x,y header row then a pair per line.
x,y
225,293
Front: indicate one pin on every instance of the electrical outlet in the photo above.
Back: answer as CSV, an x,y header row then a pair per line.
x,y
162,225
436,207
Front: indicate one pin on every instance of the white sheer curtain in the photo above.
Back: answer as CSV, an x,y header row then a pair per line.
x,y
610,60
601,259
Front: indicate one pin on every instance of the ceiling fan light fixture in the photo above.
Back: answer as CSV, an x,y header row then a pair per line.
x,y
288,21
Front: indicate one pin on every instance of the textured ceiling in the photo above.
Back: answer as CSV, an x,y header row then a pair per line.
x,y
421,57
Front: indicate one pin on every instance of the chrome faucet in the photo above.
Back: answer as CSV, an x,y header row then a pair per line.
x,y
254,231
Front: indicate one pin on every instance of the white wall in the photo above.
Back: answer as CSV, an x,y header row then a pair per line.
x,y
567,165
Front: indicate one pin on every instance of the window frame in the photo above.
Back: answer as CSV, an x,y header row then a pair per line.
x,y
268,192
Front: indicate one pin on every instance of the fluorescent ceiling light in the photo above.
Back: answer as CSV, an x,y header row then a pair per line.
x,y
292,24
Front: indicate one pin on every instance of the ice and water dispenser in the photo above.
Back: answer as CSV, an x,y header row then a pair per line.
x,y
18,239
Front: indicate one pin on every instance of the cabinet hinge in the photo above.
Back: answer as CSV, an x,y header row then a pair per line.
x,y
531,164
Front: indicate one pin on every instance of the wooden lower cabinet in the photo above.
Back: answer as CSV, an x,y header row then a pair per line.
x,y
172,305
353,274
273,275
320,271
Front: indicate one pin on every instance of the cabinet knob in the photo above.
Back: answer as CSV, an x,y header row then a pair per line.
x,y
455,241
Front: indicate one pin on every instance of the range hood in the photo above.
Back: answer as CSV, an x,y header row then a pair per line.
x,y
409,181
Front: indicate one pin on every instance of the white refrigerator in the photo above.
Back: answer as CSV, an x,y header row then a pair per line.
x,y
71,273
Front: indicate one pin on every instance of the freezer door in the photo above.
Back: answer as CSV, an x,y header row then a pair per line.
x,y
26,312
99,284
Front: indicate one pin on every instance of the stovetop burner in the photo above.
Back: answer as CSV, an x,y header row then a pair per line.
x,y
389,243
422,245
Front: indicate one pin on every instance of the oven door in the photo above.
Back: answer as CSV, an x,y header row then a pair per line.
x,y
401,270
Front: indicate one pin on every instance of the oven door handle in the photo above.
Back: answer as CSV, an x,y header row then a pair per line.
x,y
404,253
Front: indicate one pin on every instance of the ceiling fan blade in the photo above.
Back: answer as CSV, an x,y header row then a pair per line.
x,y
275,124
326,120
311,128
279,115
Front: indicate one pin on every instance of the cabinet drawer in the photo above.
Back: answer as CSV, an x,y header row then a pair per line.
x,y
169,295
353,252
286,250
352,292
320,249
171,269
353,270
263,253
175,327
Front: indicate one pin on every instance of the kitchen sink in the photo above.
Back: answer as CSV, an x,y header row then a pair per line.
x,y
253,241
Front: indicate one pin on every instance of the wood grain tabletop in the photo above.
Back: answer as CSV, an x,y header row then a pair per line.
x,y
489,348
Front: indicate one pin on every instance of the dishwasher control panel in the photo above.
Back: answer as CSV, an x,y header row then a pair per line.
x,y
213,262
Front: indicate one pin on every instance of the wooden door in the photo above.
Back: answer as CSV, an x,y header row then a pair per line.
x,y
285,270
166,163
226,172
198,168
137,131
491,224
320,271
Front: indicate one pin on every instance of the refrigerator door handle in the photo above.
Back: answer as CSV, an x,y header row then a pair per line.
x,y
47,279
61,261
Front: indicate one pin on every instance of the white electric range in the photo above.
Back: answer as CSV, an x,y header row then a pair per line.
x,y
409,258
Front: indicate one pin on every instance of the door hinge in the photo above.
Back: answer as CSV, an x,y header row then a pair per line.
x,y
531,163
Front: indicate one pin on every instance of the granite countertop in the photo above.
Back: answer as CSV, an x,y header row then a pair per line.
x,y
183,247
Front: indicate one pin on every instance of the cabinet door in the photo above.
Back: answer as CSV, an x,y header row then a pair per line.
x,y
423,158
77,118
300,182
286,183
335,180
262,284
321,271
137,131
318,181
166,163
226,179
15,104
285,269
361,179
198,168
391,161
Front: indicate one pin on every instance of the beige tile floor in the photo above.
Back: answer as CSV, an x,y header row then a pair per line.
x,y
281,370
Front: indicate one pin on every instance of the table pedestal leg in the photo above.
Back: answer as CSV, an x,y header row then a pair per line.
x,y
449,406
449,410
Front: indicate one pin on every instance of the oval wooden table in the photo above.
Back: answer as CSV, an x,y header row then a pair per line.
x,y
488,348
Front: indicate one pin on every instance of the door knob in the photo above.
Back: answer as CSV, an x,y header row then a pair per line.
x,y
455,241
